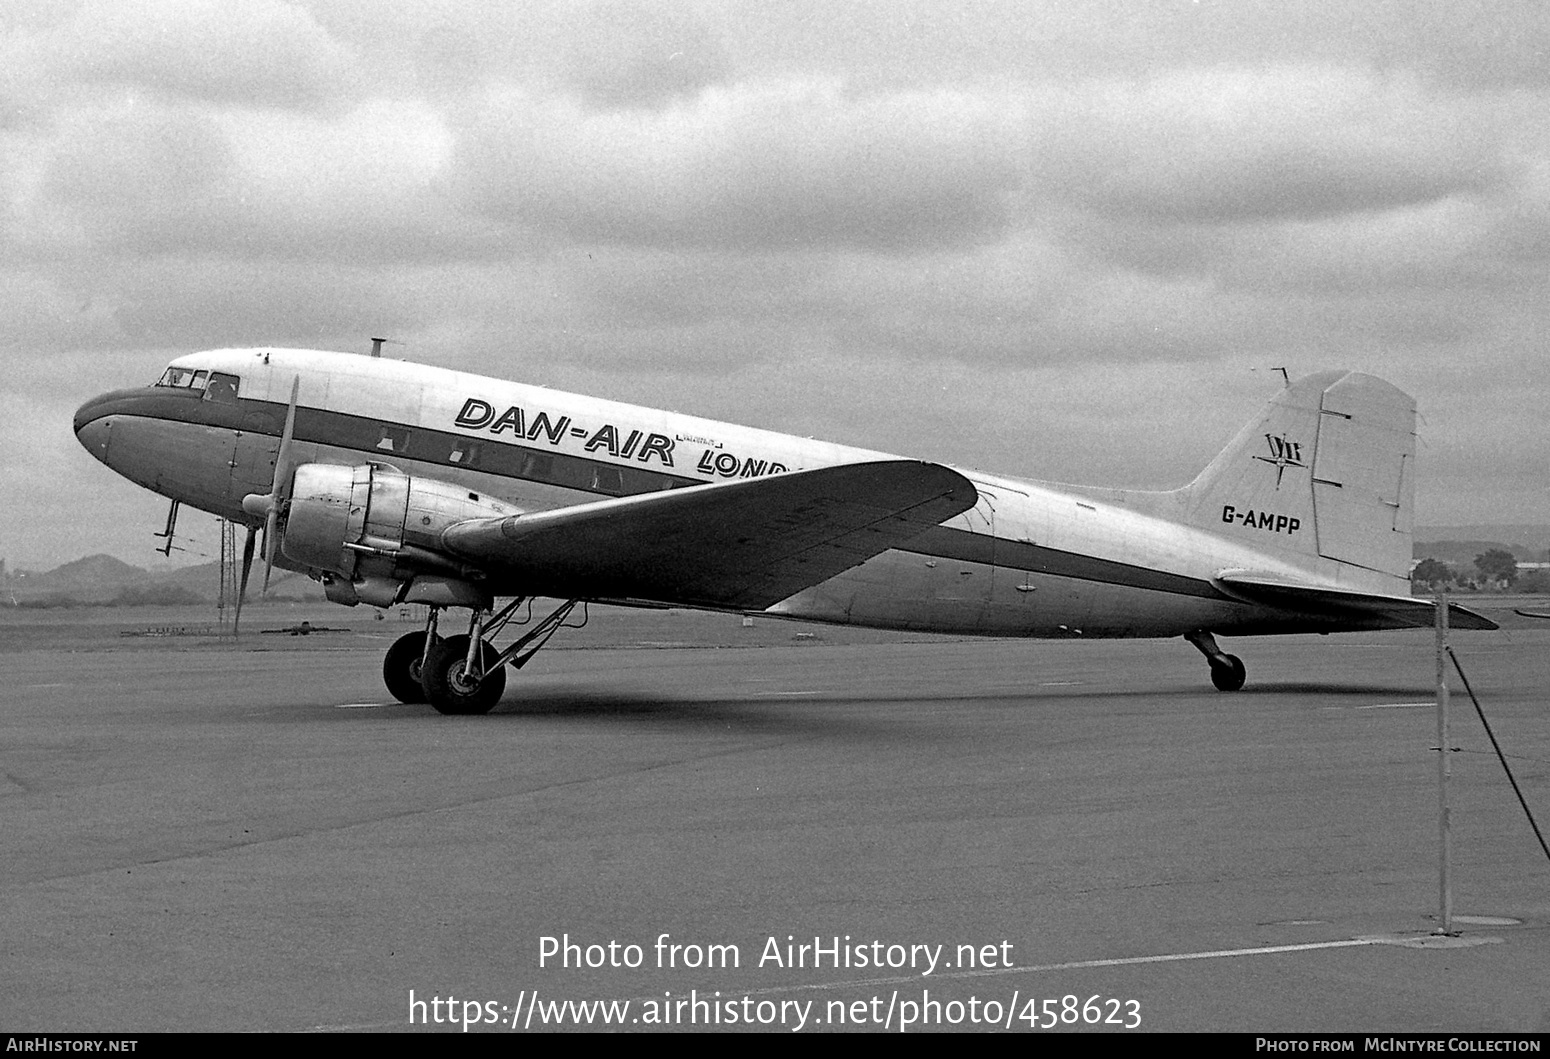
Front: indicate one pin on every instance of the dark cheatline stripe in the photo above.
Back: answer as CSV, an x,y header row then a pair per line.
x,y
533,464
949,543
485,454
408,442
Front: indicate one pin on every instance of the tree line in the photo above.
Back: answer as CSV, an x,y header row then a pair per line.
x,y
1495,566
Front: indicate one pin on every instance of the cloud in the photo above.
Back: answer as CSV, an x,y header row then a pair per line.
x,y
1467,43
143,179
627,53
783,164
1233,145
1016,237
362,185
265,53
131,177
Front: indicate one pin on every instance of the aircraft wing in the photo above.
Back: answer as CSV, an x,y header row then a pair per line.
x,y
1386,611
741,545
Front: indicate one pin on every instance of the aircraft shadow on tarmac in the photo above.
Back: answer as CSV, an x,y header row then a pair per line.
x,y
1412,692
746,715
766,712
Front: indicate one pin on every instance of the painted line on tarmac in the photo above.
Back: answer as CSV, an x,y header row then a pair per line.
x,y
362,705
1072,965
1172,957
1396,705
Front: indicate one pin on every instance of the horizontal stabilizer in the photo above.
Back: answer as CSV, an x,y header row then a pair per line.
x,y
1394,612
738,545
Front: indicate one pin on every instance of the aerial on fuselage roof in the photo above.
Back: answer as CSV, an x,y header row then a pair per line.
x,y
392,482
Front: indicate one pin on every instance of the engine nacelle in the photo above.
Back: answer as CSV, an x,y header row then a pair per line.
x,y
371,530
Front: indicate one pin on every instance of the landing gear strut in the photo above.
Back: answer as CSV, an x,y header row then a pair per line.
x,y
466,674
1227,671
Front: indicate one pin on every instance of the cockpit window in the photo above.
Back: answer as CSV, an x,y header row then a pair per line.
x,y
215,385
182,378
222,388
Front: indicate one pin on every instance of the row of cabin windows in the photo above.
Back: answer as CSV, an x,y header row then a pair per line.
x,y
555,468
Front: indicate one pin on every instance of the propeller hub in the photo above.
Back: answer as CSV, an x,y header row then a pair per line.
x,y
257,504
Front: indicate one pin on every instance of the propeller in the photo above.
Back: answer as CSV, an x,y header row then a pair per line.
x,y
242,589
270,504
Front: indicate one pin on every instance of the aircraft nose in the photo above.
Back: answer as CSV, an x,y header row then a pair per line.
x,y
92,426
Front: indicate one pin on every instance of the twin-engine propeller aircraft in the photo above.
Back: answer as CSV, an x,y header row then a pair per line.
x,y
393,483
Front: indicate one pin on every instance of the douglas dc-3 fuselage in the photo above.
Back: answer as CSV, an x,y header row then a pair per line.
x,y
393,482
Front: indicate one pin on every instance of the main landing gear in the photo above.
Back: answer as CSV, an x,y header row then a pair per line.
x,y
466,674
401,667
1227,671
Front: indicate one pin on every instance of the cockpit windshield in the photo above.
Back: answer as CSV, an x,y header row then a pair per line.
x,y
215,385
183,377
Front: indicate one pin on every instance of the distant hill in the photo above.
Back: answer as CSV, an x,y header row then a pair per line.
x,y
100,579
1458,545
1522,536
92,572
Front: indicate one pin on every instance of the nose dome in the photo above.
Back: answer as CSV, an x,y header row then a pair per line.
x,y
92,426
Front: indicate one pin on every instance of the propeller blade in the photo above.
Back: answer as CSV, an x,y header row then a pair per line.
x,y
242,590
271,531
280,488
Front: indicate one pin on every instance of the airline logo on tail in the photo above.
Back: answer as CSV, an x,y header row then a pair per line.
x,y
1283,454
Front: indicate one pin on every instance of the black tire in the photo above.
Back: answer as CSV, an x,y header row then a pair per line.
x,y
401,668
1228,675
445,687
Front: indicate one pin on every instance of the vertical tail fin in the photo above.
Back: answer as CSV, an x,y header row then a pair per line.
x,y
1327,471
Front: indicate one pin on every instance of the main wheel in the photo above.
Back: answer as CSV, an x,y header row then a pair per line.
x,y
446,680
1228,676
401,668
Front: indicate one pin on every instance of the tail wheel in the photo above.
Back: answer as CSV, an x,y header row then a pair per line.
x,y
446,680
1228,674
401,668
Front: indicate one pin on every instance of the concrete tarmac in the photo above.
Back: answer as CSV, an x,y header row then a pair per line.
x,y
962,834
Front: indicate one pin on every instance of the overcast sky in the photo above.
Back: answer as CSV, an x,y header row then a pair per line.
x,y
1068,240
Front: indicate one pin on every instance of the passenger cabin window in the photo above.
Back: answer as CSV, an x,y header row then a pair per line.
x,y
608,479
466,453
393,439
535,465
